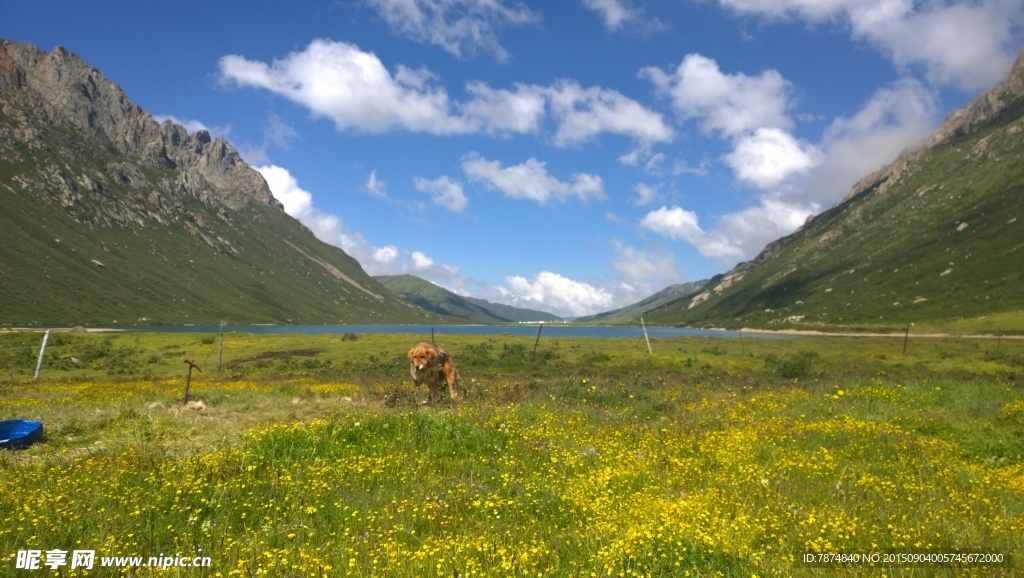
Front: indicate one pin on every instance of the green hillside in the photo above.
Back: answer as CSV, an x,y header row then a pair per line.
x,y
444,302
56,270
937,240
107,217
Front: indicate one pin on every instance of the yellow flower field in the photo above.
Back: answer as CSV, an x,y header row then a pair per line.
x,y
600,476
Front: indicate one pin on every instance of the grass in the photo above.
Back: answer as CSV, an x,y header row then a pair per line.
x,y
312,456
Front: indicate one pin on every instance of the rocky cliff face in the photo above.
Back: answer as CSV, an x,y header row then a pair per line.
x,y
40,90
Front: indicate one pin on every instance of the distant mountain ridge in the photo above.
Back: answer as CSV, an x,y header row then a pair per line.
x,y
637,310
108,216
936,236
444,302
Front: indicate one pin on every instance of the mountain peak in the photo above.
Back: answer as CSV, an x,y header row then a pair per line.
x,y
59,87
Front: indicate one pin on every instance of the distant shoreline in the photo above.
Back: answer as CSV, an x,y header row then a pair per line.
x,y
816,333
748,330
75,329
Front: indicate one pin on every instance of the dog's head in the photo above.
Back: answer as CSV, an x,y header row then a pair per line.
x,y
422,355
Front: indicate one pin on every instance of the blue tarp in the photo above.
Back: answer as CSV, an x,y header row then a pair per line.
x,y
20,433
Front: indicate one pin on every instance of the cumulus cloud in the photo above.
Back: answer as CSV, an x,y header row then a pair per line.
x,y
737,236
895,118
583,113
460,27
297,202
675,223
443,192
354,89
530,180
967,44
502,111
727,104
769,156
558,294
339,81
751,112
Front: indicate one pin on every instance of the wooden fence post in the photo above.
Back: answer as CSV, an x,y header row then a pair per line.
x,y
42,352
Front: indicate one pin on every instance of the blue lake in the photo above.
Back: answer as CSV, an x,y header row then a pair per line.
x,y
549,330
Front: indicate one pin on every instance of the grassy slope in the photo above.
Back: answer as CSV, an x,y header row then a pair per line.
x,y
444,302
437,299
590,457
880,260
160,273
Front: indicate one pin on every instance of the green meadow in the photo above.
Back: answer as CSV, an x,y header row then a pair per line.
x,y
314,456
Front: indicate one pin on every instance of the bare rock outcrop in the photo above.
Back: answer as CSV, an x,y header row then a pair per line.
x,y
62,88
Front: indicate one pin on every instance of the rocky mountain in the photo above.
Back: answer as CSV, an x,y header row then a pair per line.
x,y
107,216
638,309
444,302
937,236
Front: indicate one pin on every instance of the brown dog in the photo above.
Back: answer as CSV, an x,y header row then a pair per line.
x,y
428,361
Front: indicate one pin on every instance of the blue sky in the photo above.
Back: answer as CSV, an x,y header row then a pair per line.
x,y
573,155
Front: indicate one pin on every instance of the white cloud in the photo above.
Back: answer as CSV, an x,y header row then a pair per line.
x,y
385,260
459,27
645,271
421,261
969,44
615,14
769,156
501,111
530,180
674,223
339,81
297,202
376,186
895,118
737,236
558,294
583,113
386,255
742,235
727,104
646,194
443,192
354,89
749,111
